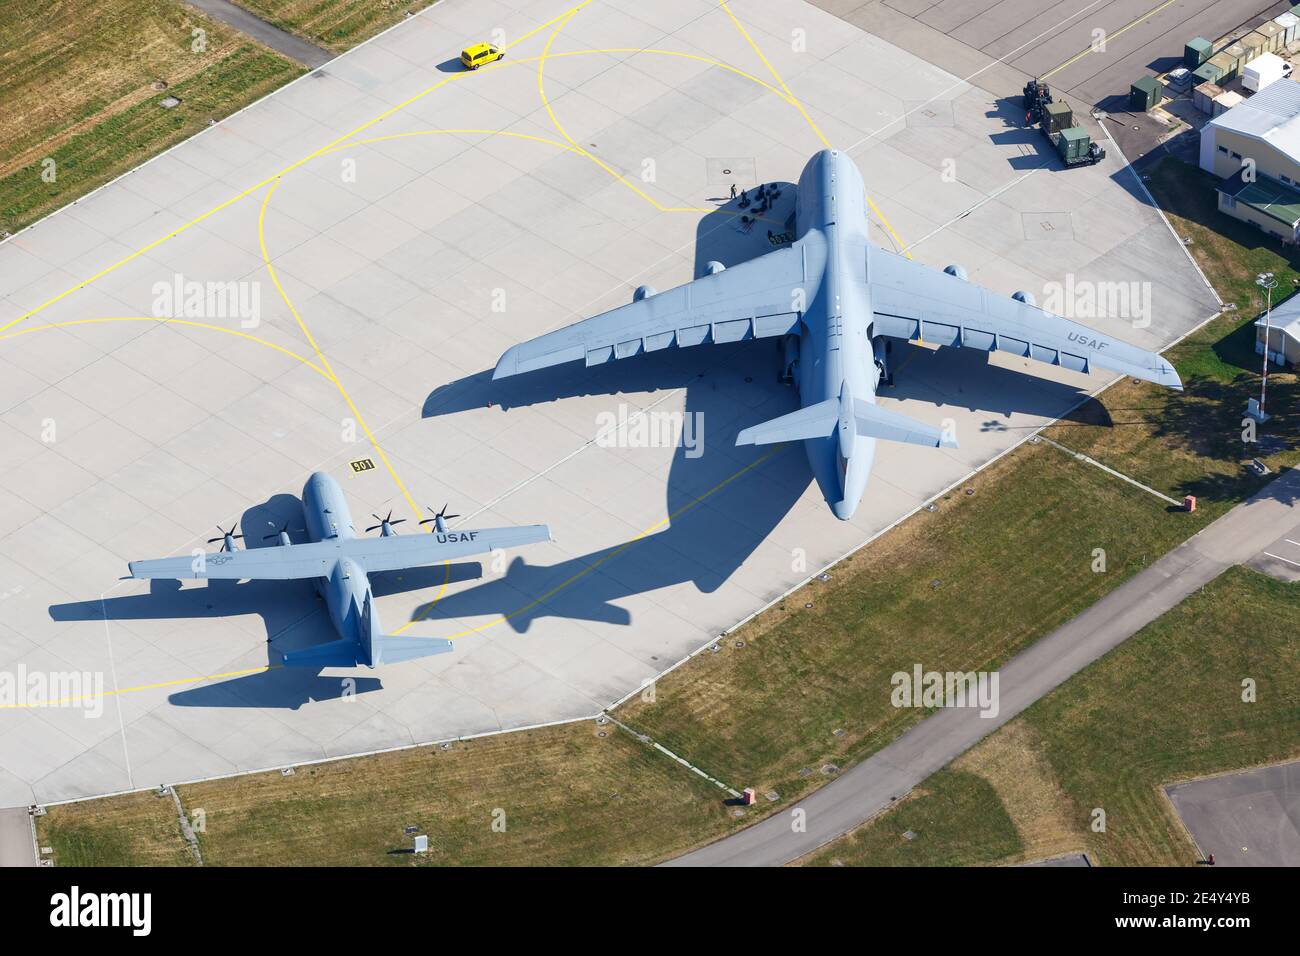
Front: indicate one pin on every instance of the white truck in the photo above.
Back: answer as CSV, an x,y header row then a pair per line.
x,y
1265,70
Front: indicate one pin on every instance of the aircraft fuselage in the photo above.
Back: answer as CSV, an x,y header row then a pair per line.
x,y
347,589
836,358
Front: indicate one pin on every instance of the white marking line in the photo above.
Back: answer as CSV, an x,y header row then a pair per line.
x,y
962,215
874,133
1278,557
646,739
1156,206
1111,471
112,667
1296,543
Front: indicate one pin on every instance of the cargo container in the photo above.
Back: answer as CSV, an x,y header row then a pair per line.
x,y
1226,101
1227,68
1288,22
1236,53
1263,71
1254,44
1056,117
1197,52
1272,34
1145,94
1203,97
1207,73
1076,147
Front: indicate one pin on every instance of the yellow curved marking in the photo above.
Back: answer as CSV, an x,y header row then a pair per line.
x,y
342,139
555,121
789,95
169,321
324,360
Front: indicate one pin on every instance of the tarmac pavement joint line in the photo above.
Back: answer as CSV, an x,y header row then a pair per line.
x,y
170,321
348,135
1110,36
898,242
988,66
324,360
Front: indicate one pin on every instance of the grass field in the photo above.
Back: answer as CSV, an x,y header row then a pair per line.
x,y
81,86
759,716
1164,706
1192,443
138,829
558,796
336,25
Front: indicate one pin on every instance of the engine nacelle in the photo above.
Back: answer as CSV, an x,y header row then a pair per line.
x,y
643,292
713,267
956,271
1026,297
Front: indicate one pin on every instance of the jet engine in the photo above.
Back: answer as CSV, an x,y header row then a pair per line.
x,y
955,270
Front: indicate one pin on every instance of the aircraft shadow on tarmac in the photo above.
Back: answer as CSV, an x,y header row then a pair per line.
x,y
706,541
292,613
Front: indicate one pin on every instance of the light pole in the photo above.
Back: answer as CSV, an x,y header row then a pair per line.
x,y
1268,282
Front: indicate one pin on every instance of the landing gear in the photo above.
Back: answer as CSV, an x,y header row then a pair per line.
x,y
789,346
884,374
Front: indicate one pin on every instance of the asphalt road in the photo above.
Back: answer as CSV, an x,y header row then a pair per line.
x,y
16,838
874,784
279,40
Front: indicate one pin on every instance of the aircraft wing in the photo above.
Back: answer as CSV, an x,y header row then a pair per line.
x,y
317,559
280,563
756,299
395,552
913,301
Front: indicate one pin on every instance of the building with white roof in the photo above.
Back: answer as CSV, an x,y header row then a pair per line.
x,y
1283,329
1255,149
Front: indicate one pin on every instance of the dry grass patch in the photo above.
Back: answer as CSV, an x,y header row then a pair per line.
x,y
1013,764
137,829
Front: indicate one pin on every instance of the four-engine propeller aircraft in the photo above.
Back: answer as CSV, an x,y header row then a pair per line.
x,y
835,300
339,561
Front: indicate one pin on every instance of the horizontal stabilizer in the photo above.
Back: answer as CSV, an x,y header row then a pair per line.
x,y
393,649
334,654
812,421
872,421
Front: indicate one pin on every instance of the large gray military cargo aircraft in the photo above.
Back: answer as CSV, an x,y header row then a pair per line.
x,y
835,300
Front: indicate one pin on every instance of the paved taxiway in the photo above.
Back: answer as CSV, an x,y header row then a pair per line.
x,y
403,223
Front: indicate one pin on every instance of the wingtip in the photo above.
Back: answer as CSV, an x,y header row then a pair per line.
x,y
507,364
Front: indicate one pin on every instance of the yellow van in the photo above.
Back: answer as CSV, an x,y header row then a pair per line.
x,y
475,56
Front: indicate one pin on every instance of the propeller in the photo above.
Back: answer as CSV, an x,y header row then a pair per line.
x,y
439,519
385,524
282,534
228,538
